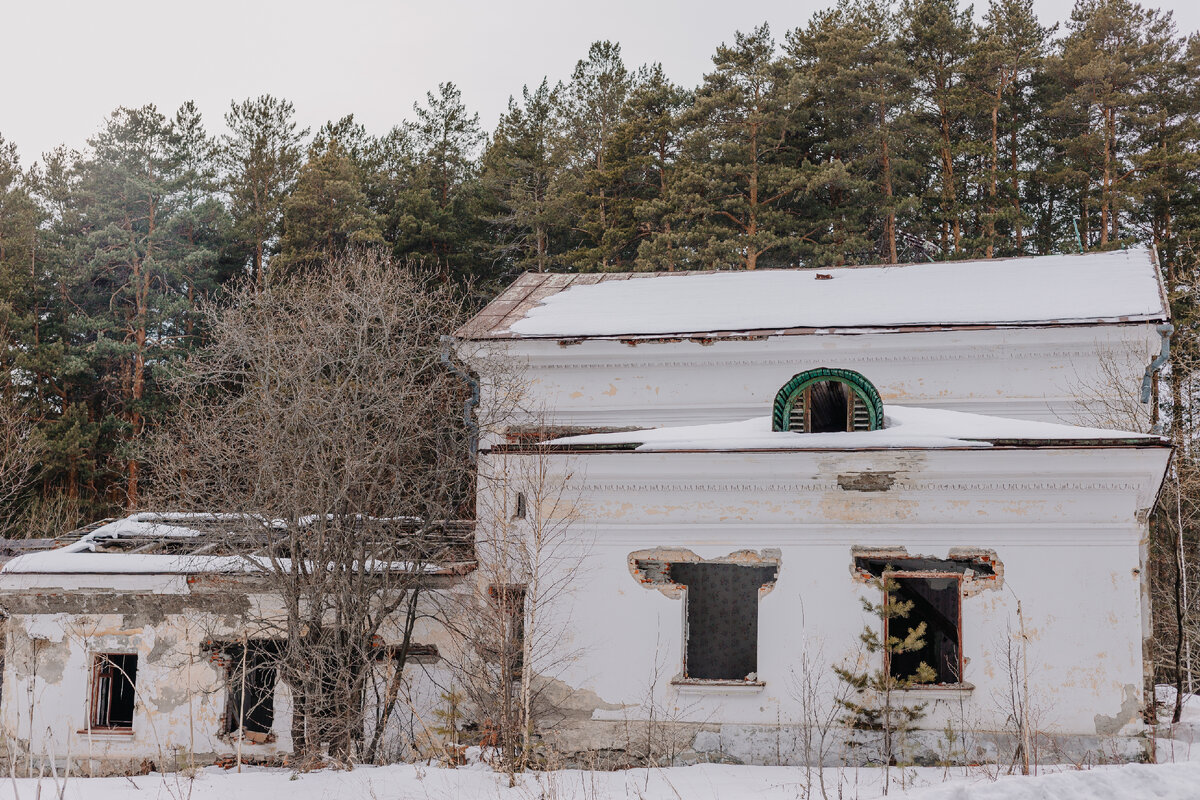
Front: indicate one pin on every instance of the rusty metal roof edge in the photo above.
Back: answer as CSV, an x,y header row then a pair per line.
x,y
997,444
1134,319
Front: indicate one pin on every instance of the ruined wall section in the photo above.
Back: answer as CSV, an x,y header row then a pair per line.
x,y
175,624
1059,532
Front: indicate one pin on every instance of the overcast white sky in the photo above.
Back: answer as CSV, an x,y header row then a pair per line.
x,y
65,64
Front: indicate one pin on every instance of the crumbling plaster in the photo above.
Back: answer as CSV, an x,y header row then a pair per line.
x,y
1045,522
55,628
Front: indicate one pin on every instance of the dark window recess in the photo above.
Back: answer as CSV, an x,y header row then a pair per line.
x,y
509,650
416,653
829,407
114,676
252,677
722,618
876,565
936,603
519,511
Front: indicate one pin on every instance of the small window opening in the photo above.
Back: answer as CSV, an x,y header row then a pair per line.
x,y
519,511
252,675
114,676
827,400
509,648
721,608
936,601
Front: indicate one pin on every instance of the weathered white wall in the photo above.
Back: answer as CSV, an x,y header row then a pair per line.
x,y
180,693
1033,373
1067,525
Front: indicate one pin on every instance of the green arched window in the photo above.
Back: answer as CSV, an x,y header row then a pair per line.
x,y
825,400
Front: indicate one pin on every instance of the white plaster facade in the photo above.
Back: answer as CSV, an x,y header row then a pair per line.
x,y
1068,527
1068,522
57,623
1042,373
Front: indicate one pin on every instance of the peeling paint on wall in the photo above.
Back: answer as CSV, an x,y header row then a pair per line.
x,y
652,568
1131,709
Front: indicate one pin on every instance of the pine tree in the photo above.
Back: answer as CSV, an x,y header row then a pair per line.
x,y
1009,51
821,57
203,229
261,157
327,210
437,208
936,38
591,106
874,705
20,303
858,84
647,147
738,161
66,392
1100,68
130,294
518,167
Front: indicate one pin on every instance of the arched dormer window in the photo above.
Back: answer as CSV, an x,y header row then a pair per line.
x,y
827,400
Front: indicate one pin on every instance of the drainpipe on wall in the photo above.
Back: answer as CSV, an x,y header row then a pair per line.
x,y
1155,367
472,402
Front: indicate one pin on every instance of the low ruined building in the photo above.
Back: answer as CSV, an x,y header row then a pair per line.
x,y
739,459
153,640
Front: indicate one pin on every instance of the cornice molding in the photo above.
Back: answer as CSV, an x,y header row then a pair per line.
x,y
910,357
903,486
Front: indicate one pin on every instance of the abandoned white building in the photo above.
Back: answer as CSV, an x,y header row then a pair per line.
x,y
149,642
736,456
744,451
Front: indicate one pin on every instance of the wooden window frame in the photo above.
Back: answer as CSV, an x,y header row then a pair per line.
x,y
958,579
95,704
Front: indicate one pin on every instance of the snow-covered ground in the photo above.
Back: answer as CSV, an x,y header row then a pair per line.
x,y
1181,741
1175,777
701,782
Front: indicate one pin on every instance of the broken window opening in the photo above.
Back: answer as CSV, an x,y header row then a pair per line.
x,y
509,652
114,677
937,602
721,613
252,675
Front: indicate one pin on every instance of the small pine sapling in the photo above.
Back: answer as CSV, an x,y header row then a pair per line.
x,y
449,718
873,704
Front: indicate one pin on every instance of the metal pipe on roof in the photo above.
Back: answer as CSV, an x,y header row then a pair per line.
x,y
1164,331
472,402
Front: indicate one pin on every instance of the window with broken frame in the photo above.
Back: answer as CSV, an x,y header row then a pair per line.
x,y
113,691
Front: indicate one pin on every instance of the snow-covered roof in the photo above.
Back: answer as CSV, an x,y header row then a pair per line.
x,y
905,427
1115,286
183,543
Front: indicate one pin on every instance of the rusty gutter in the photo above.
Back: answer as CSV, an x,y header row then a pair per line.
x,y
707,337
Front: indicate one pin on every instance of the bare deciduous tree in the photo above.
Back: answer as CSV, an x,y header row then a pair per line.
x,y
512,633
18,457
323,419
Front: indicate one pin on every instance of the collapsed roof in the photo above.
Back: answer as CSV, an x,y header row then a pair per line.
x,y
192,543
1090,288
